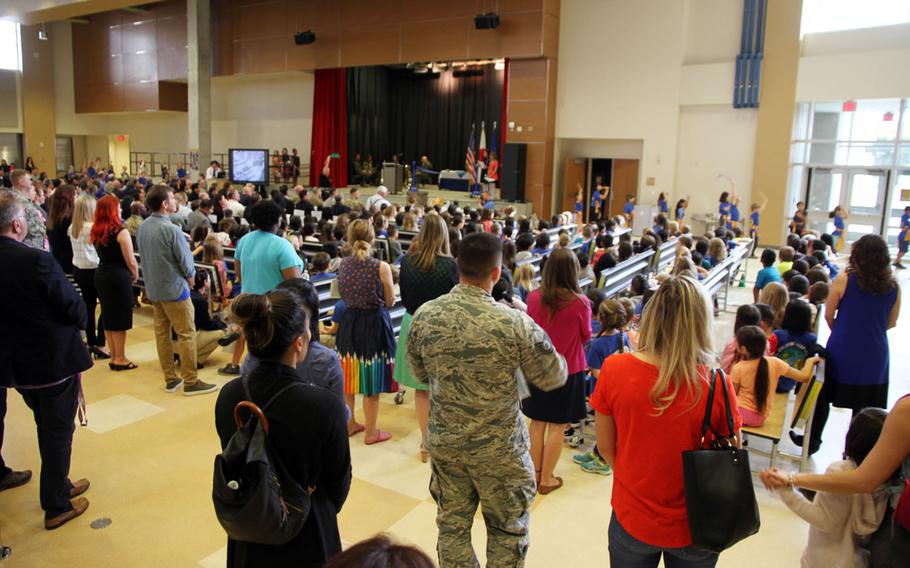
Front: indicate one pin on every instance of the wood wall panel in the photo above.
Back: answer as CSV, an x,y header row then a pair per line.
x,y
261,55
371,32
119,57
531,116
172,96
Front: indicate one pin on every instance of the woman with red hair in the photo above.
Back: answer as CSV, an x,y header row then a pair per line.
x,y
114,278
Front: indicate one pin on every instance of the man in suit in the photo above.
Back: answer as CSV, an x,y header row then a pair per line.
x,y
42,355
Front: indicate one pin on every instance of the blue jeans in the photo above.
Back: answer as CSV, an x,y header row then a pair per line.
x,y
628,552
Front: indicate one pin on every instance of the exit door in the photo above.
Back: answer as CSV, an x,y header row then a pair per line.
x,y
860,191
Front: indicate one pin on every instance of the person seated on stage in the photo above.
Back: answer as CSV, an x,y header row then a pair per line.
x,y
357,169
492,175
376,201
369,171
422,177
321,268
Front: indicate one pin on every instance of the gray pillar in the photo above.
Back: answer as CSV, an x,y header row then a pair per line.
x,y
199,80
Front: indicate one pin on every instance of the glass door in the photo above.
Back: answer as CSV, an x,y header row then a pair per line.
x,y
826,187
865,202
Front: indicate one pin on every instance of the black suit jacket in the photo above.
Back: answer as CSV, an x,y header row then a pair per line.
x,y
40,343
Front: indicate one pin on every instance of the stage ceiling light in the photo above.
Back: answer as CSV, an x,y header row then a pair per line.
x,y
304,38
488,21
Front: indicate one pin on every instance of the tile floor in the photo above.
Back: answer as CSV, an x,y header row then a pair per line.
x,y
149,456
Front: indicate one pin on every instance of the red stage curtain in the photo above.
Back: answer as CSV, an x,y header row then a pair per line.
x,y
330,126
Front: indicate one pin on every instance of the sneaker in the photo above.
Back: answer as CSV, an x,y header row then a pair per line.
x,y
171,385
585,457
199,387
228,339
230,370
899,266
597,466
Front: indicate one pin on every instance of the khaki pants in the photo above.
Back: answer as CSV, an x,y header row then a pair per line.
x,y
206,343
181,317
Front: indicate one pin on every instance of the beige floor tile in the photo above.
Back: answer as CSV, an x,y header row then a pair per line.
x,y
118,411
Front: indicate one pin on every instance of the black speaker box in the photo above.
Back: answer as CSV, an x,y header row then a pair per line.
x,y
512,171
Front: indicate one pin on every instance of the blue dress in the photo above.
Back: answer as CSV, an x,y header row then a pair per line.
x,y
856,371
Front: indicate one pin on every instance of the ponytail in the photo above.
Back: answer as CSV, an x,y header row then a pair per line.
x,y
360,236
752,338
762,384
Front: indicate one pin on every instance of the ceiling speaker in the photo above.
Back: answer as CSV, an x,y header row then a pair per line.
x,y
304,38
486,21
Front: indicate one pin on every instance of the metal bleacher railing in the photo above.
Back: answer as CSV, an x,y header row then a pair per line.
x,y
155,160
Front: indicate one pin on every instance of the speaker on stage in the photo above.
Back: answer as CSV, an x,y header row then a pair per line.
x,y
512,171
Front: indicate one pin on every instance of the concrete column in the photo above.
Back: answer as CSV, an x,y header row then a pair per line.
x,y
775,116
38,117
199,80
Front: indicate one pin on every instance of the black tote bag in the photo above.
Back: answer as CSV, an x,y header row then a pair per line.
x,y
720,497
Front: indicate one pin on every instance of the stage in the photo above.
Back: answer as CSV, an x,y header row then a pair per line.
x,y
462,197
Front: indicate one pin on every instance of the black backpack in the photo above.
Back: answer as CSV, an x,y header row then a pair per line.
x,y
255,498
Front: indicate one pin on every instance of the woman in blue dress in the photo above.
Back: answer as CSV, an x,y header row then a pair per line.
x,y
862,306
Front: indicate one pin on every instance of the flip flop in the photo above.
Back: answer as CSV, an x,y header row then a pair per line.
x,y
357,430
380,437
547,489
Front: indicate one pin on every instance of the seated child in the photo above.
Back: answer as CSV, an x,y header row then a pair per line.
x,y
394,245
755,377
630,328
795,340
767,274
611,338
767,325
798,285
786,259
746,314
321,268
840,523
595,297
524,280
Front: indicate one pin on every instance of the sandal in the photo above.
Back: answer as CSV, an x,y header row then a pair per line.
x,y
128,367
380,437
547,489
357,430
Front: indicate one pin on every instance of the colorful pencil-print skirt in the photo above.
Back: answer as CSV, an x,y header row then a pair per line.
x,y
366,346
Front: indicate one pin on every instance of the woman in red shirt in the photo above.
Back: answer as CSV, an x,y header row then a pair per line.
x,y
560,308
649,408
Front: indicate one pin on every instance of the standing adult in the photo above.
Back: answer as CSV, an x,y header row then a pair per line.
x,y
58,223
85,262
295,166
50,312
306,427
365,341
36,219
114,278
469,349
261,262
560,308
862,306
660,388
285,165
428,271
200,216
167,265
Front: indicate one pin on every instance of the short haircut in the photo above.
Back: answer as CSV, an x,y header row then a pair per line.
x,y
205,204
10,208
801,266
799,284
156,197
321,261
16,175
768,257
767,314
478,255
266,215
786,254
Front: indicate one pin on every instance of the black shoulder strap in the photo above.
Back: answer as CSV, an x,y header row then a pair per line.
x,y
729,412
709,404
246,391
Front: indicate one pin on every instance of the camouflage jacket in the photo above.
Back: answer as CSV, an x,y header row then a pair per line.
x,y
470,350
37,223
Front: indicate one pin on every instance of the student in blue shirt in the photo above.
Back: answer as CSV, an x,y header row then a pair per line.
x,y
903,238
321,268
579,204
798,224
734,214
662,205
610,339
628,208
541,244
681,206
838,233
767,274
724,209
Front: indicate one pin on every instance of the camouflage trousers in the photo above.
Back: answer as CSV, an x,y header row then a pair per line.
x,y
504,487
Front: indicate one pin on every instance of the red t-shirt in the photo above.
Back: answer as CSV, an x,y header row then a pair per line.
x,y
648,492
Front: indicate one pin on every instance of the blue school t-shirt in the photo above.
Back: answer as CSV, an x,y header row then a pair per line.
x,y
838,226
338,311
754,218
262,257
734,213
793,349
766,276
724,209
662,206
602,347
681,213
905,227
627,208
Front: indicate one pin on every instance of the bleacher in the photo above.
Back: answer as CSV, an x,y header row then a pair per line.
x,y
719,278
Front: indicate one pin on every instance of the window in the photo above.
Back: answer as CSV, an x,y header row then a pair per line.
x,y
834,15
9,46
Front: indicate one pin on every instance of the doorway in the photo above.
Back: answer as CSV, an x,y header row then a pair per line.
x,y
861,191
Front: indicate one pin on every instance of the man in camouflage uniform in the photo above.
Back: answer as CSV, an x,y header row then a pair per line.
x,y
469,348
34,217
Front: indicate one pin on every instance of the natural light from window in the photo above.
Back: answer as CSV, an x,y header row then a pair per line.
x,y
834,15
9,45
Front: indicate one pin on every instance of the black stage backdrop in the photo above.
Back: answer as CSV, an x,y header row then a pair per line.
x,y
392,110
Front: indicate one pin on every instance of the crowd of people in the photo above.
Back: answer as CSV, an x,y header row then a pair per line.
x,y
486,342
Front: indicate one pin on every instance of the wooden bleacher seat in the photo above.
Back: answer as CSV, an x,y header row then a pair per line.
x,y
773,428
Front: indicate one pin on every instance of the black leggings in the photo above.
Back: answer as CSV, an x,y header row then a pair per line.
x,y
85,279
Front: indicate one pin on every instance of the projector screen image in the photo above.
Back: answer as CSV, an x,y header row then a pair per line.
x,y
249,166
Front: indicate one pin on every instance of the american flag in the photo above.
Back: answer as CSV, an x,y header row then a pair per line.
x,y
469,162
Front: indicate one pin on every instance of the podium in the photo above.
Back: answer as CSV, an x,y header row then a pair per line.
x,y
393,176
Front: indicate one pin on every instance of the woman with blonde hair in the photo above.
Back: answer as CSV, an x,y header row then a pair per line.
x,y
85,261
365,341
560,308
428,271
649,409
775,295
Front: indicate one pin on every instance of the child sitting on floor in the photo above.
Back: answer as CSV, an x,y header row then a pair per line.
x,y
839,523
755,376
